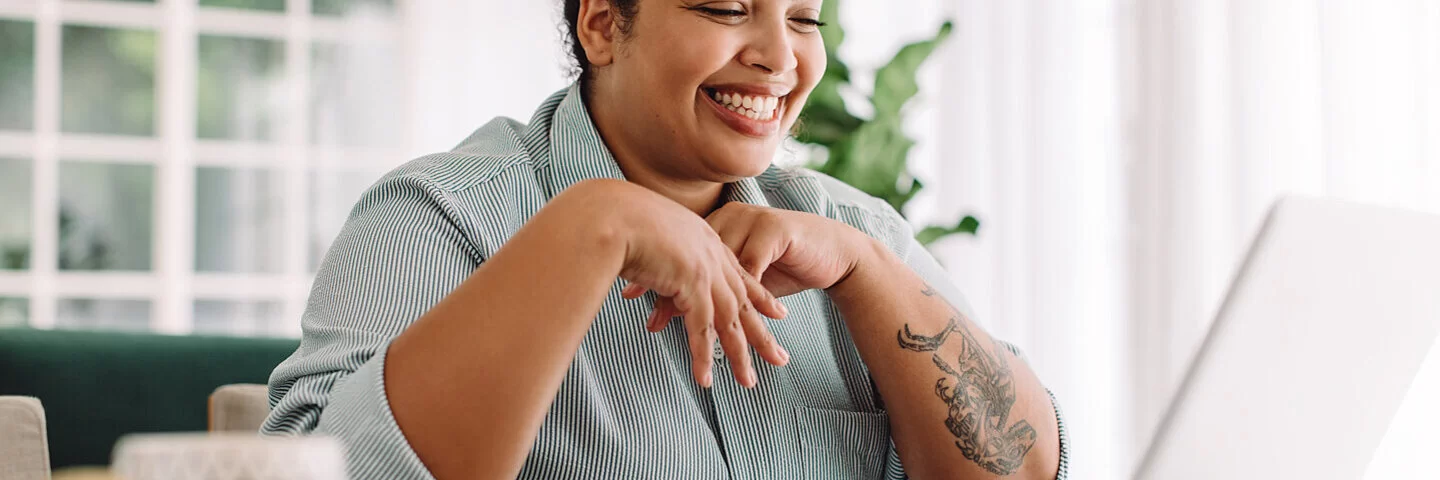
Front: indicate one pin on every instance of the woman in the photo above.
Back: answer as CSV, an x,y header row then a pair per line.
x,y
471,320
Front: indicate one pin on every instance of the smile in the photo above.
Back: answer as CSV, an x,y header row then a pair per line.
x,y
751,115
754,107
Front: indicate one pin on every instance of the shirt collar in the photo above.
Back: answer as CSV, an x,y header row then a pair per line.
x,y
579,153
746,190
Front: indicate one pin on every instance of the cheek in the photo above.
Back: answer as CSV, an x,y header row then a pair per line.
x,y
686,59
811,62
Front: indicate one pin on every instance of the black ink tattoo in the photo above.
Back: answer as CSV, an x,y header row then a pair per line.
x,y
980,391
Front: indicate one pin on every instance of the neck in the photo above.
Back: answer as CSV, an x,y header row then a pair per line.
x,y
659,175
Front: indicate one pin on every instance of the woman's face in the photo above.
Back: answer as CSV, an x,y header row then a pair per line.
x,y
707,89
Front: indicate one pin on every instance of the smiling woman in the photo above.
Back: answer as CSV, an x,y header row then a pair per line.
x,y
582,295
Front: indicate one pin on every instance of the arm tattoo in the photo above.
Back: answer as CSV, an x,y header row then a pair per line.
x,y
980,390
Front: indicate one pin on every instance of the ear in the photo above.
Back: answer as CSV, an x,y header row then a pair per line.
x,y
596,29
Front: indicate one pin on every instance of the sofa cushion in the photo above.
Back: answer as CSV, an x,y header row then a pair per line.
x,y
98,386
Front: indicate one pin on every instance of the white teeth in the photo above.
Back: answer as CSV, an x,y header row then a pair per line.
x,y
757,107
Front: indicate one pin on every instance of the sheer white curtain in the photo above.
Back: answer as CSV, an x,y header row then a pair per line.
x,y
1122,152
1031,139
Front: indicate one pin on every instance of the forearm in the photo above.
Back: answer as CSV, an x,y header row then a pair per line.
x,y
470,382
959,404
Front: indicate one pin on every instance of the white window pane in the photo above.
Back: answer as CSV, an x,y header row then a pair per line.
x,y
239,221
107,81
106,216
14,214
14,312
332,196
247,319
17,74
95,314
270,5
240,88
353,100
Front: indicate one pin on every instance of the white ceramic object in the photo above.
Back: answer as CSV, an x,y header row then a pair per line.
x,y
227,456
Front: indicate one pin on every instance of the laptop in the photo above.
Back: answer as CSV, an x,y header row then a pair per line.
x,y
1318,342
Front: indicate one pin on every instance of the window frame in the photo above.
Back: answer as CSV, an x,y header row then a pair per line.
x,y
172,285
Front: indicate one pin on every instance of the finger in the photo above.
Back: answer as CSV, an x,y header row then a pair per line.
x,y
660,318
633,291
761,297
757,334
761,249
732,334
699,312
731,232
721,215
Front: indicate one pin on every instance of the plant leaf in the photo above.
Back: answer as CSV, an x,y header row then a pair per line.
x,y
826,121
968,225
895,82
873,159
832,33
825,125
908,195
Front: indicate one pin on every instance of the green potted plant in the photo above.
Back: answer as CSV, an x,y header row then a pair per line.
x,y
871,154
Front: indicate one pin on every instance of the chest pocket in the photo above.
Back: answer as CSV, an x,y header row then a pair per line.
x,y
842,444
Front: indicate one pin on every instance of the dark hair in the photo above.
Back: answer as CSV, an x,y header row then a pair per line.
x,y
625,11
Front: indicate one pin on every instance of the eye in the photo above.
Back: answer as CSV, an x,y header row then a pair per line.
x,y
810,24
720,12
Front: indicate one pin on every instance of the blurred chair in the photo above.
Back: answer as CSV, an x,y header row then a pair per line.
x,y
24,451
240,407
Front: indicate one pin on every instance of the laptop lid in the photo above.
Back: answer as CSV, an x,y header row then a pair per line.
x,y
1317,343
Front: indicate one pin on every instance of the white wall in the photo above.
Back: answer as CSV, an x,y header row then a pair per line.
x,y
478,60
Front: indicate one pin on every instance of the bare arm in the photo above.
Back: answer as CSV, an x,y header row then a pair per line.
x,y
470,382
514,327
959,403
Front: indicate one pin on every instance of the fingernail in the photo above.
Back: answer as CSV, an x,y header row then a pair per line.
x,y
783,311
750,379
707,381
784,356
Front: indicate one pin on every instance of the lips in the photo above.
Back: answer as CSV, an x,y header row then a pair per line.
x,y
760,119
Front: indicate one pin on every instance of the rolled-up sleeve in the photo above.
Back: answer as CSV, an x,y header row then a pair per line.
x,y
400,252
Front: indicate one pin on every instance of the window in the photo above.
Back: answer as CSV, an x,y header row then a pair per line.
x,y
180,166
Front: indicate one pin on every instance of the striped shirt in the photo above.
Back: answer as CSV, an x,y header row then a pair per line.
x,y
628,406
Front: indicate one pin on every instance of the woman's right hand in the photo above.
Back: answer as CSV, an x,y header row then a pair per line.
x,y
674,252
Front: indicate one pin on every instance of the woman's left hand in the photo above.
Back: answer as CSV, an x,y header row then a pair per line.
x,y
788,251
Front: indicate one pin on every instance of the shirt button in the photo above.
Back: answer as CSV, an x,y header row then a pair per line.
x,y
717,352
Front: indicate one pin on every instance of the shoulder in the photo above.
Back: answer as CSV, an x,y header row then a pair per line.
x,y
490,154
803,189
489,181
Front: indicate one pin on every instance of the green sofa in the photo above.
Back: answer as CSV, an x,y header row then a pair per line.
x,y
97,386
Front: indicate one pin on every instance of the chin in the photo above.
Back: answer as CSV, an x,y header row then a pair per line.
x,y
743,167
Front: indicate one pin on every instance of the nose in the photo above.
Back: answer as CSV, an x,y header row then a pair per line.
x,y
769,50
